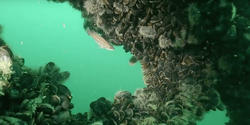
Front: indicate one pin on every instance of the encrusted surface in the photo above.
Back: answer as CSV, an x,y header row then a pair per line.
x,y
194,55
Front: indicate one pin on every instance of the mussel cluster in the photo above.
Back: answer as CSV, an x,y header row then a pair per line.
x,y
30,97
194,56
179,45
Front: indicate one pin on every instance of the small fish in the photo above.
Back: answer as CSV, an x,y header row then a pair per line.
x,y
132,60
100,40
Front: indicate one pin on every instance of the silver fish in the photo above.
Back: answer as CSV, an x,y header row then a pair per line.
x,y
100,40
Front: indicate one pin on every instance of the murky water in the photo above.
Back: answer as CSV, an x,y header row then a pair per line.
x,y
43,31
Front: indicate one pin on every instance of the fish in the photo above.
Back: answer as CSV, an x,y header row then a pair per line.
x,y
100,40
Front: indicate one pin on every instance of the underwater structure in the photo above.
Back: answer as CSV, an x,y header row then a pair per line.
x,y
195,57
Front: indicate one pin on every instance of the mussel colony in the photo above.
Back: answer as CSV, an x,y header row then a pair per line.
x,y
195,57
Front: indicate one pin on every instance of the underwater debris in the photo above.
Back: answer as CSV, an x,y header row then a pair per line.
x,y
100,41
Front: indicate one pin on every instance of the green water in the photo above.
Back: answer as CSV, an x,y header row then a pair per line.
x,y
43,31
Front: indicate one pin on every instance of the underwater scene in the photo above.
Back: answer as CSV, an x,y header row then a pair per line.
x,y
124,62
